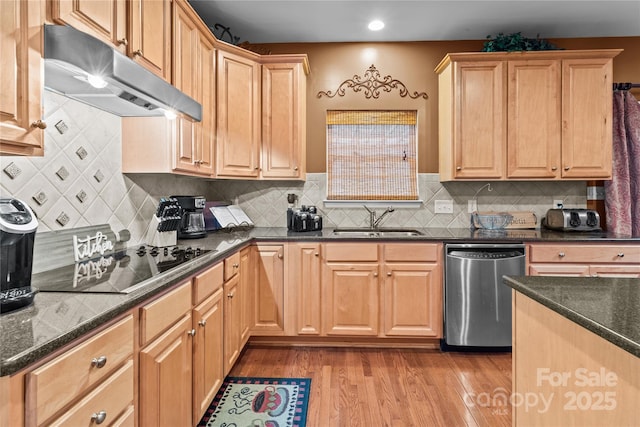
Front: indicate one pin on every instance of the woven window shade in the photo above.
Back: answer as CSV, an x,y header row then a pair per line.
x,y
371,155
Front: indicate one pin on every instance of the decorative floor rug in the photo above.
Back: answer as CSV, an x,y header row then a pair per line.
x,y
259,402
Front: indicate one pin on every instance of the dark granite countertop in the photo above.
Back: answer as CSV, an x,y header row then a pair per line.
x,y
55,319
609,307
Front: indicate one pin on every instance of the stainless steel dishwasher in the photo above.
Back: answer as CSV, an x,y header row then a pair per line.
x,y
477,304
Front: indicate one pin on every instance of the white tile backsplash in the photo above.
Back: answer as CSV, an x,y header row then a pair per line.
x,y
129,201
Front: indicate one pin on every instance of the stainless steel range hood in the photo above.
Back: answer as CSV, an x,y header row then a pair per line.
x,y
71,56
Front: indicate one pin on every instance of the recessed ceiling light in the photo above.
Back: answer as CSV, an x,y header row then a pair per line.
x,y
376,25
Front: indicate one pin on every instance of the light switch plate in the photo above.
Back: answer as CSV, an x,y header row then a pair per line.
x,y
444,206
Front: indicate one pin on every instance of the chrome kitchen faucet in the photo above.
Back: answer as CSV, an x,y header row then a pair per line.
x,y
373,220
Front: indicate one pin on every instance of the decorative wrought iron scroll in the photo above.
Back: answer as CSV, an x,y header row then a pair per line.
x,y
372,83
221,32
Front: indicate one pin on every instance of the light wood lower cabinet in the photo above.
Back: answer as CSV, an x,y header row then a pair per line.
x,y
247,281
601,260
268,303
165,360
305,290
84,372
232,322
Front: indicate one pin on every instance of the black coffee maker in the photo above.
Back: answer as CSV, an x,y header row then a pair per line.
x,y
18,227
192,222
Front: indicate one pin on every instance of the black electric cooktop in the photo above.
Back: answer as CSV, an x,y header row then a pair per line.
x,y
119,272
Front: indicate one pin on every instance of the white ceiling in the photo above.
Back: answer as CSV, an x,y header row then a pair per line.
x,y
266,21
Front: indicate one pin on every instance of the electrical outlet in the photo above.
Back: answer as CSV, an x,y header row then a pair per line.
x,y
472,206
558,204
444,206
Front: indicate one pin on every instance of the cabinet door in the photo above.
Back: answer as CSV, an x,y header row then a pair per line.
x,y
283,120
165,378
569,270
21,82
150,35
208,353
350,299
480,120
205,73
238,145
304,277
534,106
103,19
232,322
269,290
247,282
413,300
587,118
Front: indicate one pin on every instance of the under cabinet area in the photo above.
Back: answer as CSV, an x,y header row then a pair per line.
x,y
526,115
597,260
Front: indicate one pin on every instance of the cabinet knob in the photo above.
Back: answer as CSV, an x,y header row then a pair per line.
x,y
123,41
567,168
99,417
316,254
459,168
389,273
375,274
39,124
295,169
192,333
561,254
138,53
230,295
235,266
621,255
554,168
280,256
99,362
202,323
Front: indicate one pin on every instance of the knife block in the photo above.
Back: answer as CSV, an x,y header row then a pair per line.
x,y
160,238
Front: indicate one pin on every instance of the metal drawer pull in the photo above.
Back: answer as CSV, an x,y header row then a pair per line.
x,y
202,323
99,362
99,417
621,255
192,333
561,254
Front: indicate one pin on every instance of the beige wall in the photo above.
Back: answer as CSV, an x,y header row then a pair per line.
x,y
412,64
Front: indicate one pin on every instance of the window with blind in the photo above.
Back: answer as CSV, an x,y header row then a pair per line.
x,y
371,155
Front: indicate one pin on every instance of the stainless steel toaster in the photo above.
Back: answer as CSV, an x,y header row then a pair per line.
x,y
572,219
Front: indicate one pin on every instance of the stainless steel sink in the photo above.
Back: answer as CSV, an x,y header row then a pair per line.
x,y
378,232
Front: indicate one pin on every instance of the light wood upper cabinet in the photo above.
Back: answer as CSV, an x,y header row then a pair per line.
x,y
21,83
104,19
474,143
238,132
149,29
526,115
534,105
284,118
194,74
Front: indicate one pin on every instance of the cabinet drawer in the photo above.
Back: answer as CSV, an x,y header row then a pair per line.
x,y
207,283
231,266
585,253
164,312
351,252
109,399
406,252
66,377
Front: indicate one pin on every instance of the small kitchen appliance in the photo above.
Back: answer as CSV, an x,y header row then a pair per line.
x,y
192,222
18,227
572,220
304,219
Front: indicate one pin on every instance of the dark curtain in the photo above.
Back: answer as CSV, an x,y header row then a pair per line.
x,y
622,202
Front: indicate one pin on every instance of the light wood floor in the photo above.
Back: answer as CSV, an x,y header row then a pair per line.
x,y
391,387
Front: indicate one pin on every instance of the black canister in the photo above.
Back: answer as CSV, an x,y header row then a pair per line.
x,y
18,227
